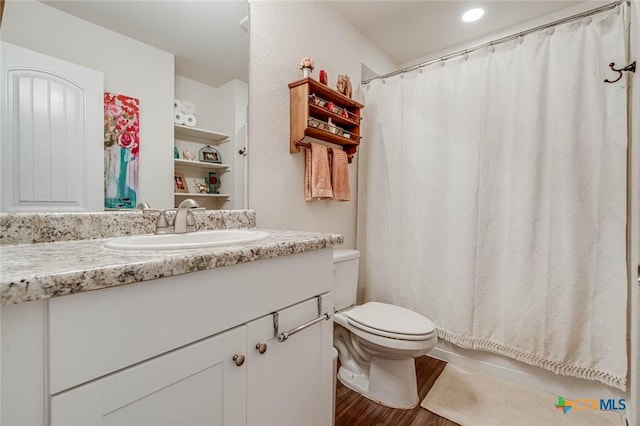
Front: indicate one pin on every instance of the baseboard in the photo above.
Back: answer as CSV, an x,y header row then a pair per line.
x,y
523,374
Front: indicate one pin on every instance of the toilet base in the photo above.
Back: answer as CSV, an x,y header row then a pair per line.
x,y
390,382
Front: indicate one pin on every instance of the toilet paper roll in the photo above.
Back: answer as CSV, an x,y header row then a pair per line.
x,y
177,105
188,107
178,117
189,120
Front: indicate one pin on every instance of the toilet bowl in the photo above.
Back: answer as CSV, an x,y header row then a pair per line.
x,y
377,342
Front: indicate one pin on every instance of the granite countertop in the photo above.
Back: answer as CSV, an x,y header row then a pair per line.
x,y
40,271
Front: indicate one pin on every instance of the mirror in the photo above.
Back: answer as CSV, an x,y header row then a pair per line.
x,y
210,43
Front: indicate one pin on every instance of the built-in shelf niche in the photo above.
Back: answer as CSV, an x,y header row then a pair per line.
x,y
195,170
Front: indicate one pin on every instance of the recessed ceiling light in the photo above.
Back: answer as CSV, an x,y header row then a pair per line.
x,y
473,14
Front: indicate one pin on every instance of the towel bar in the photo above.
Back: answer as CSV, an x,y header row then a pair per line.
x,y
282,337
308,146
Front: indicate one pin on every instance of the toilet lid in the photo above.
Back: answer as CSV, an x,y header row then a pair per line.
x,y
390,321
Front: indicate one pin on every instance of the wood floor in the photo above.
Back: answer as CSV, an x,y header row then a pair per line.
x,y
352,409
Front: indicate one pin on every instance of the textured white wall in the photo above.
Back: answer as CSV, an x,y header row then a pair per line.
x,y
130,68
281,34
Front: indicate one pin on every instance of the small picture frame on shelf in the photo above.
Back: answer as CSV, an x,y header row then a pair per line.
x,y
209,154
180,183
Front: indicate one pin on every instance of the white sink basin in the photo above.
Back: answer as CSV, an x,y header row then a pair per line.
x,y
191,240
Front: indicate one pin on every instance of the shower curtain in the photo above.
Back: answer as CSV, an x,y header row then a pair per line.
x,y
492,198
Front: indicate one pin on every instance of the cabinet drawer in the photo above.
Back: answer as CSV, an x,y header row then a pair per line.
x,y
93,334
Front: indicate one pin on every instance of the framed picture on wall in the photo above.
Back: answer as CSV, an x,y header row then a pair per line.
x,y
180,183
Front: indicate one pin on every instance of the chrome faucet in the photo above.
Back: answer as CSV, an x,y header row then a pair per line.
x,y
184,220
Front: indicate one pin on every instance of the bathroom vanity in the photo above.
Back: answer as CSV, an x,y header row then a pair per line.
x,y
197,337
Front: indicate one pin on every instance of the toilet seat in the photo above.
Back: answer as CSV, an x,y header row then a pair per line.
x,y
391,321
390,335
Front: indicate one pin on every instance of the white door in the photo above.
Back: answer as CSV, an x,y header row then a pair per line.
x,y
197,385
290,383
52,133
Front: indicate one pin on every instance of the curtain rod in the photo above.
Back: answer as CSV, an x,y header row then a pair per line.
x,y
503,39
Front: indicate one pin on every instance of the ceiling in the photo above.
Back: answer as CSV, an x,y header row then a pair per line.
x,y
409,30
211,46
206,37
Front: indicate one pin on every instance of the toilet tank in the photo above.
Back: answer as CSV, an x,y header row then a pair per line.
x,y
345,277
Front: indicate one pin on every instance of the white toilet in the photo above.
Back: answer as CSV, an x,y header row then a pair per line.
x,y
376,342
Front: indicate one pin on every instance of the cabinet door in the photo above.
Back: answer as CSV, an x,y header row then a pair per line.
x,y
197,385
290,384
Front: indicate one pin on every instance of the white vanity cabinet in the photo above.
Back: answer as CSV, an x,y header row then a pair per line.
x,y
177,350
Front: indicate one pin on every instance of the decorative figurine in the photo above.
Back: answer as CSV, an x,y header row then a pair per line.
x,y
187,155
213,182
176,153
344,85
203,188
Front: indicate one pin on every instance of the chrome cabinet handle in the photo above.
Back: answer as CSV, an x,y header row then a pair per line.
x,y
238,359
261,347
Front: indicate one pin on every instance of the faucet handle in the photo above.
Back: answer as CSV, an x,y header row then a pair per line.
x,y
162,219
191,220
147,211
162,224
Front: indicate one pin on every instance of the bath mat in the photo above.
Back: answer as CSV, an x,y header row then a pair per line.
x,y
470,398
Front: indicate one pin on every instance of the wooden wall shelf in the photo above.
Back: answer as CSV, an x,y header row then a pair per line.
x,y
312,105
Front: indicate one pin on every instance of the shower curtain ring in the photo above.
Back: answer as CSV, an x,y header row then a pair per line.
x,y
631,67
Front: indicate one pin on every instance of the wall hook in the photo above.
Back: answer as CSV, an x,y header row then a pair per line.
x,y
631,67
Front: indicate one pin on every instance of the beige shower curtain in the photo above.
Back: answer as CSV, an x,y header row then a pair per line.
x,y
492,198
